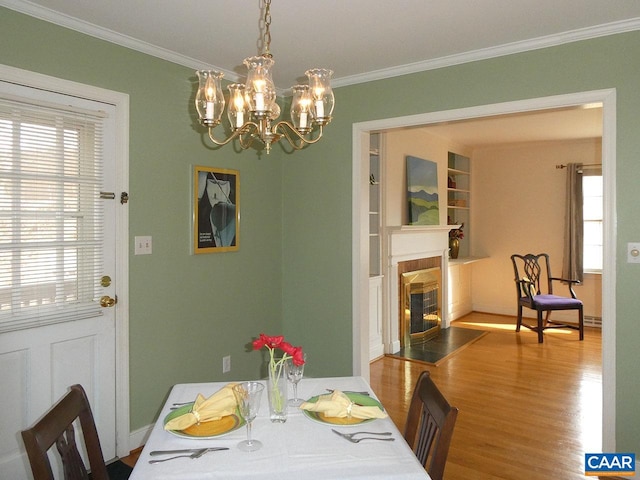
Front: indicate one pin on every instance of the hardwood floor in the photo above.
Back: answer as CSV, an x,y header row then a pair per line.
x,y
527,410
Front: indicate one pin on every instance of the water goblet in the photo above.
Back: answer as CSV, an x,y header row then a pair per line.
x,y
294,374
248,395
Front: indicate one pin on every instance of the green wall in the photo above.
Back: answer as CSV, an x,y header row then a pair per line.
x,y
295,249
603,63
186,311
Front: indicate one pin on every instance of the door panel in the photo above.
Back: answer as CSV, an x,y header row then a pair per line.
x,y
38,364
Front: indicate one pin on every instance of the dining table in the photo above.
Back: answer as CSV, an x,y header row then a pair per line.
x,y
305,446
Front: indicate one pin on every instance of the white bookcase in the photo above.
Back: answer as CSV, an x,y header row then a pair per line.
x,y
376,347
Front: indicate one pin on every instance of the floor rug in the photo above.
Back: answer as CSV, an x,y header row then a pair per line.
x,y
118,470
448,342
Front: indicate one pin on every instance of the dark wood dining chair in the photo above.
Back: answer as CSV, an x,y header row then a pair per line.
x,y
532,273
429,426
56,427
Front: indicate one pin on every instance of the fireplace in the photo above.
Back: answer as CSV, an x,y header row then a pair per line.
x,y
421,306
414,249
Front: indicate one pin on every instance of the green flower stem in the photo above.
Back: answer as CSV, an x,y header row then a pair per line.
x,y
276,368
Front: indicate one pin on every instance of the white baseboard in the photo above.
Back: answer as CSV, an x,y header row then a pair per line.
x,y
139,437
393,347
376,351
559,315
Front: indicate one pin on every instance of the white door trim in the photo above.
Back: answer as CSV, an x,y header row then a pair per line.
x,y
121,103
360,219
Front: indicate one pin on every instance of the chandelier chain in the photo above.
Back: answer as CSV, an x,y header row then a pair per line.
x,y
267,30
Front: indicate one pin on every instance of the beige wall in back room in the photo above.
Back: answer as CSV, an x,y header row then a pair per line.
x,y
417,143
518,207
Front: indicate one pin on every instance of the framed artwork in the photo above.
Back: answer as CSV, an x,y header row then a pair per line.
x,y
422,191
216,210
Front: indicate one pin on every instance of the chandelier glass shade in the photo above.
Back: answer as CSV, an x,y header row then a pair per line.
x,y
252,109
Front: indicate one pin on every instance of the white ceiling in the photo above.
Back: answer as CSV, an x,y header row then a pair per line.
x,y
360,40
576,123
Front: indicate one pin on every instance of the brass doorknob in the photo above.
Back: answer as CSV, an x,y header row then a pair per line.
x,y
107,301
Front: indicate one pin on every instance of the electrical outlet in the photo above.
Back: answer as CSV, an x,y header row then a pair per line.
x,y
142,245
226,364
633,252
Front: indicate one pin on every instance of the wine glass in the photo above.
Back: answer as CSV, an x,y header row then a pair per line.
x,y
294,374
248,395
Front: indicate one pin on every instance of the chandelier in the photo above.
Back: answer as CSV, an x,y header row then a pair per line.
x,y
253,111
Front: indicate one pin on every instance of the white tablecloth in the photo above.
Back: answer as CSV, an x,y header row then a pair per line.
x,y
299,448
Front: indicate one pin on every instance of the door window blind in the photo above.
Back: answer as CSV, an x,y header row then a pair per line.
x,y
51,216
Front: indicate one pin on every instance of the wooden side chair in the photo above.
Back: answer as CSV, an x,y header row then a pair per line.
x,y
56,427
429,427
532,272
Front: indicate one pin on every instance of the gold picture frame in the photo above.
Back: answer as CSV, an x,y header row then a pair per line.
x,y
216,210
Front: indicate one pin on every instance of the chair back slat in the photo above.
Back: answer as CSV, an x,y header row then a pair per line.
x,y
56,427
429,427
426,436
72,463
532,270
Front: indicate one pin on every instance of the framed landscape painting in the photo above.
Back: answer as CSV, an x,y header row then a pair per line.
x,y
216,210
422,191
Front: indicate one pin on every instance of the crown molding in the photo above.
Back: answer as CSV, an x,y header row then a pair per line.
x,y
96,31
108,35
493,52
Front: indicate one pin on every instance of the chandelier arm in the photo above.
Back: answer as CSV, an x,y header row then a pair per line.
x,y
291,129
255,101
246,128
247,141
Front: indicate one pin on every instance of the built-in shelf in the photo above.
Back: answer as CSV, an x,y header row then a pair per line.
x,y
376,220
459,196
375,206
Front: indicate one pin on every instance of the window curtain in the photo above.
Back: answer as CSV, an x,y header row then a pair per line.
x,y
574,227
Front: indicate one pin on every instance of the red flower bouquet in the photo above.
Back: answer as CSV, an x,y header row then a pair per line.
x,y
277,386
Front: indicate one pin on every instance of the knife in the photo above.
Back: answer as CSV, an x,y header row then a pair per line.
x,y
186,450
349,391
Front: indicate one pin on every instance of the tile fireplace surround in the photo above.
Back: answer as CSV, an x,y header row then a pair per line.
x,y
406,244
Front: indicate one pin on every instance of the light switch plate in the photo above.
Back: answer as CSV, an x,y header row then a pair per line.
x,y
142,246
633,252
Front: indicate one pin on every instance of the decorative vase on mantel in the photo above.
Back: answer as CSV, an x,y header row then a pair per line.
x,y
454,247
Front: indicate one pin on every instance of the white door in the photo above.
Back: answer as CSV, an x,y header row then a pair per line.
x,y
38,362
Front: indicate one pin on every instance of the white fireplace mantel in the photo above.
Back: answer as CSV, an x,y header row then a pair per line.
x,y
412,243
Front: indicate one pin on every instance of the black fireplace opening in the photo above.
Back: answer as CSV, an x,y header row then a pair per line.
x,y
421,294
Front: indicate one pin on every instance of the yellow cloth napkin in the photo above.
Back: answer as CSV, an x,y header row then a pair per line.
x,y
337,404
218,405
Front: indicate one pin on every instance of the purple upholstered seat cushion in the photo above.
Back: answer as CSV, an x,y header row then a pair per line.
x,y
555,301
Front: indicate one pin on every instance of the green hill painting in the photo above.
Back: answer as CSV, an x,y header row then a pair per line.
x,y
422,191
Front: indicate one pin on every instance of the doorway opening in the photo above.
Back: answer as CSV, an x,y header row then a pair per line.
x,y
360,292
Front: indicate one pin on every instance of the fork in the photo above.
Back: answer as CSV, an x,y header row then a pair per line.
x,y
197,454
349,436
358,440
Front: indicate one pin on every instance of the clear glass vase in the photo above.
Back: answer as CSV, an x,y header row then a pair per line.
x,y
277,391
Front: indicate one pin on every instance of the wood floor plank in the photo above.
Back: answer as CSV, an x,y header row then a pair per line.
x,y
527,410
